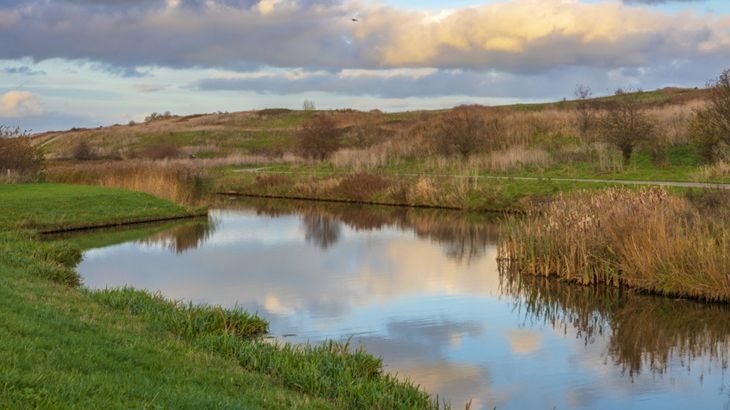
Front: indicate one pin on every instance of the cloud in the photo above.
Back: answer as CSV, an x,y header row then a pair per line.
x,y
149,87
19,104
652,2
517,36
24,70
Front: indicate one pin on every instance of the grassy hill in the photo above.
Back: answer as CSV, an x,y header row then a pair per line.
x,y
272,132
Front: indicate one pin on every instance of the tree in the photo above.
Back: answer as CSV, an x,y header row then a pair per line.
x,y
465,130
308,105
18,157
710,125
623,122
584,109
318,137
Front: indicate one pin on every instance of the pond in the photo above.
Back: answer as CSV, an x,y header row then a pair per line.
x,y
422,289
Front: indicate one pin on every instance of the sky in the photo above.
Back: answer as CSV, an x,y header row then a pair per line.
x,y
90,63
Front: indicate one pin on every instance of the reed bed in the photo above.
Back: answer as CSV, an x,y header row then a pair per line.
x,y
646,239
170,180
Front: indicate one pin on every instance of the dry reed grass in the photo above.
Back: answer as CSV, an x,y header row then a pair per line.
x,y
718,170
647,240
171,180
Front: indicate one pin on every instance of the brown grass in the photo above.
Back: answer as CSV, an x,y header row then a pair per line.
x,y
165,179
592,238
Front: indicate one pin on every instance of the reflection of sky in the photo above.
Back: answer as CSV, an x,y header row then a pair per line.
x,y
441,323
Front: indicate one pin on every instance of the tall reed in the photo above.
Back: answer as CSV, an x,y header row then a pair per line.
x,y
165,179
644,239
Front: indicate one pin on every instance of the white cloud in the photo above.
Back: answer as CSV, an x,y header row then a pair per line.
x,y
20,104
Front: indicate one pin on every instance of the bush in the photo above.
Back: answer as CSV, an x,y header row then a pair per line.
x,y
710,125
465,130
623,123
319,137
82,151
161,148
19,159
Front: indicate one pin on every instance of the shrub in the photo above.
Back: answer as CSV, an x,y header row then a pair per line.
x,y
318,137
161,148
710,125
585,109
82,151
465,130
19,159
624,123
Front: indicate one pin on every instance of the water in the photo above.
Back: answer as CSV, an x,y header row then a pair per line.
x,y
422,290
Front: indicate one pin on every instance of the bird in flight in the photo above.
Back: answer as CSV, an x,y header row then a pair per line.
x,y
354,19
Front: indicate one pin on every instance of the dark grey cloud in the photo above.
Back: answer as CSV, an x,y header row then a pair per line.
x,y
549,85
245,35
23,70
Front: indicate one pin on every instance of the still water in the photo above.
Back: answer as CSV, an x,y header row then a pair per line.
x,y
422,290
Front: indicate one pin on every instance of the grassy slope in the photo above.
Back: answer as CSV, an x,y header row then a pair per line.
x,y
61,349
51,206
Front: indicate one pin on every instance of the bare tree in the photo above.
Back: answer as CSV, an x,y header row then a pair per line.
x,y
308,105
585,109
319,137
465,130
623,122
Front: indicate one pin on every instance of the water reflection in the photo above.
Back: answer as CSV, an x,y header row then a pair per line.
x,y
465,237
646,334
179,235
422,289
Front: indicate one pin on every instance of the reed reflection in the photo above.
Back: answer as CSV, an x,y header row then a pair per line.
x,y
184,237
646,334
178,236
465,237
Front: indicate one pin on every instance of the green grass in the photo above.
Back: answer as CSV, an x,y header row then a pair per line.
x,y
59,348
62,346
57,206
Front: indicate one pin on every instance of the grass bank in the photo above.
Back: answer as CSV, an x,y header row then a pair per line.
x,y
64,346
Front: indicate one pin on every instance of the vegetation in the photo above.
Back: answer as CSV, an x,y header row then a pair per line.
x,y
20,161
710,125
592,238
624,123
101,353
318,137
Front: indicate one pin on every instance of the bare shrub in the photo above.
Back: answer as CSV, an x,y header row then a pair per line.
x,y
20,161
82,151
624,123
161,148
585,109
158,116
710,126
466,130
318,137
